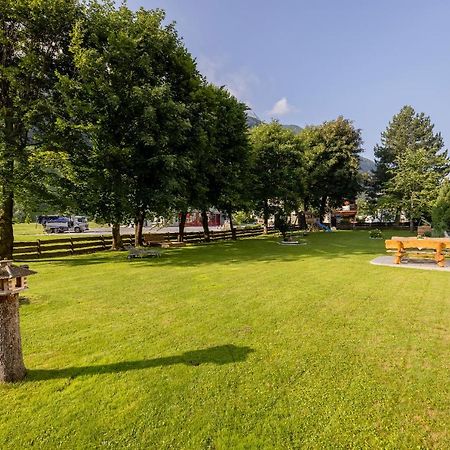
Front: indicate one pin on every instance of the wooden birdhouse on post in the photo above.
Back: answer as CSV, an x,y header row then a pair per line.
x,y
13,279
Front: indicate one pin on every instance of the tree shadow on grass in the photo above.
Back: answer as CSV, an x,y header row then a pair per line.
x,y
219,355
263,250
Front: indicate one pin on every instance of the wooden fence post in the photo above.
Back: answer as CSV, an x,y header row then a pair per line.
x,y
38,247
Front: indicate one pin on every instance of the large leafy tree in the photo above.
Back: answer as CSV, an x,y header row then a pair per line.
x,y
34,38
126,98
216,156
441,209
229,182
277,163
332,155
34,41
414,183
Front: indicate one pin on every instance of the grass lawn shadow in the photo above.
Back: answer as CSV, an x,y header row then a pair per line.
x,y
219,355
262,249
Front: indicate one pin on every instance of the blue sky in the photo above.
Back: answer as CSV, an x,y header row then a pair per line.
x,y
304,62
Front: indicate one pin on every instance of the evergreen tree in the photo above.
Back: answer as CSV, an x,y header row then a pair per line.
x,y
406,131
409,160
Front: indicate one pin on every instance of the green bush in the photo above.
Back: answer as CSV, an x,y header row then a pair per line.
x,y
375,234
441,210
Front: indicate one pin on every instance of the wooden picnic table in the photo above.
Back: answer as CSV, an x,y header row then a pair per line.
x,y
432,248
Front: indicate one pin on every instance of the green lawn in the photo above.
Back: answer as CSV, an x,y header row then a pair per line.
x,y
234,345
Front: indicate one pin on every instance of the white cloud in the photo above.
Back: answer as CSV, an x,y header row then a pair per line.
x,y
239,83
281,108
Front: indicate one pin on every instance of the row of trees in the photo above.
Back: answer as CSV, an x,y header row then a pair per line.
x,y
103,111
411,169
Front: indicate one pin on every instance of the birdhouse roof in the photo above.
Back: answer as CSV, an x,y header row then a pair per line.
x,y
8,270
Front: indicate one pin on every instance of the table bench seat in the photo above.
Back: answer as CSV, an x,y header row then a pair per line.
x,y
418,248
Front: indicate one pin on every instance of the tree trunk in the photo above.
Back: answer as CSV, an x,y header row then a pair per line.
x,y
6,223
266,217
205,226
397,218
302,220
138,229
117,243
323,205
233,230
181,225
411,219
12,367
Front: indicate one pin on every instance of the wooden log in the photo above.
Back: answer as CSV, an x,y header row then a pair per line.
x,y
25,244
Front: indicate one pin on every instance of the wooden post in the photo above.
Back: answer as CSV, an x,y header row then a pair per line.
x,y
439,257
72,248
400,253
12,367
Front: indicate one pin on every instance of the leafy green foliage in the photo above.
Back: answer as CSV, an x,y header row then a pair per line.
x,y
441,209
415,180
332,155
277,169
407,130
128,104
376,234
34,40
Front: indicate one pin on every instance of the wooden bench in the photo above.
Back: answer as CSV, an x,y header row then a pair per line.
x,y
417,248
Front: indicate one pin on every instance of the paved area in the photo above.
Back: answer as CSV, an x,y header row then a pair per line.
x,y
422,264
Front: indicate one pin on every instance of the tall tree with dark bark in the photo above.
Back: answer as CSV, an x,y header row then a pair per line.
x,y
126,97
277,163
34,39
215,157
332,156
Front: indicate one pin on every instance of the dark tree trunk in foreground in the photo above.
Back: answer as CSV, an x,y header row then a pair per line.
x,y
181,226
6,224
6,210
205,226
233,230
323,205
301,220
12,367
138,229
117,243
266,217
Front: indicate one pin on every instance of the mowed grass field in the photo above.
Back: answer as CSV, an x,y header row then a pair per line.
x,y
33,231
234,345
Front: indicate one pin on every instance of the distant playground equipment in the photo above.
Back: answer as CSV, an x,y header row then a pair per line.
x,y
314,224
323,227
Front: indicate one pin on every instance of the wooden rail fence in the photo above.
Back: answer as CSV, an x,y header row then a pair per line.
x,y
79,245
